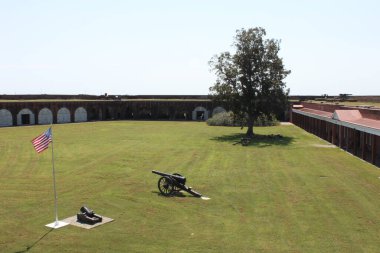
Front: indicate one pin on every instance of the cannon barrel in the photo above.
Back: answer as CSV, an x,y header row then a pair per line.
x,y
160,173
179,178
86,210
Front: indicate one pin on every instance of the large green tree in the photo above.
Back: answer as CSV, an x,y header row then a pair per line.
x,y
251,80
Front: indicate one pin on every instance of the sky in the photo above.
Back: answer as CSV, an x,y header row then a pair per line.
x,y
163,47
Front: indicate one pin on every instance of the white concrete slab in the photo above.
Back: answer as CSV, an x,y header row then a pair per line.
x,y
57,224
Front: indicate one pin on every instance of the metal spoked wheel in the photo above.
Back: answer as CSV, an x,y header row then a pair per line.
x,y
165,185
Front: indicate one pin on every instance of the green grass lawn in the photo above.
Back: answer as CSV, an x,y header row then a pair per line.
x,y
290,194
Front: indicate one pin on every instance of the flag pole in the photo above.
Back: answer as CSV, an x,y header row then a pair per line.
x,y
56,223
55,190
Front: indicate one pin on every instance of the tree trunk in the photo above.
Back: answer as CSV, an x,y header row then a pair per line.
x,y
250,129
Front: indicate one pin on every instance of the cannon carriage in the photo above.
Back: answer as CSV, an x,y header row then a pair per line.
x,y
169,184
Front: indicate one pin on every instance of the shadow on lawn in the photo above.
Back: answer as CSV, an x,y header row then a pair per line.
x,y
175,194
31,246
259,140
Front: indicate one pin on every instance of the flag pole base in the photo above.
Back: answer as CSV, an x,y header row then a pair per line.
x,y
57,224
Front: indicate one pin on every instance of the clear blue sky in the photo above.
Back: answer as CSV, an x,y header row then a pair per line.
x,y
163,47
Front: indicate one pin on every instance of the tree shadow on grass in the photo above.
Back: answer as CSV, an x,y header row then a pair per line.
x,y
32,245
259,140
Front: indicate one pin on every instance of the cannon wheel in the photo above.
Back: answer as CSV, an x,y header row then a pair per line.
x,y
165,185
176,189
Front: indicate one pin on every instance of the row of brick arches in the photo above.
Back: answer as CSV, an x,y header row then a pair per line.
x,y
46,112
45,116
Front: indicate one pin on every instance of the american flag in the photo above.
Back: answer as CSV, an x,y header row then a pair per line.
x,y
42,141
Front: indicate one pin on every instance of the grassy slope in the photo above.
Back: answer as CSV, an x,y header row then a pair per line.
x,y
273,196
358,103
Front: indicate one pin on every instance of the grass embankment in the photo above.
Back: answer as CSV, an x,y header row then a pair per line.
x,y
276,195
347,103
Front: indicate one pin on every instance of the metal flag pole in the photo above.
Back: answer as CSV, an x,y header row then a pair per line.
x,y
56,223
55,190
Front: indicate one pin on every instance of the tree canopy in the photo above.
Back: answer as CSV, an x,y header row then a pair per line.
x,y
251,80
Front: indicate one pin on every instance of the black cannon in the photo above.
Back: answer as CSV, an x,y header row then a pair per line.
x,y
168,184
88,216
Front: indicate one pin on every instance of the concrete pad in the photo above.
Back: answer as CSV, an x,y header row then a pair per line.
x,y
73,221
57,224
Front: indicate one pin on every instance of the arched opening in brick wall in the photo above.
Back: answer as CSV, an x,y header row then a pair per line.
x,y
80,115
25,117
217,110
45,116
6,118
200,113
63,115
